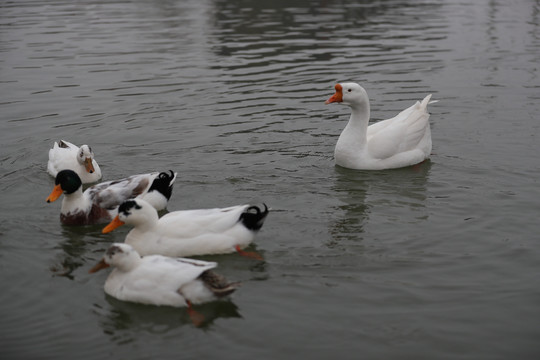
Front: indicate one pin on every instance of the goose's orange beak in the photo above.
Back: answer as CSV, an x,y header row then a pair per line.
x,y
100,265
116,222
337,97
55,194
88,165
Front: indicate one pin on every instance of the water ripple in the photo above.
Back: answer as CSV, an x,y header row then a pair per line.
x,y
434,261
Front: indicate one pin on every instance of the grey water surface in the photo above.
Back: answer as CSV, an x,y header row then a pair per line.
x,y
437,261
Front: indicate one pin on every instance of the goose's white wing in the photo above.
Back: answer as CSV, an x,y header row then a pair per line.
x,y
400,134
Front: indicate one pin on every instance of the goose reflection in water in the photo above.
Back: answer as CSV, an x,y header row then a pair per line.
x,y
377,198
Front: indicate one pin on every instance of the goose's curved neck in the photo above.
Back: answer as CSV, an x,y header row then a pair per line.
x,y
352,143
358,122
360,113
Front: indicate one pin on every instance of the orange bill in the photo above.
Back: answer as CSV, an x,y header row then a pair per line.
x,y
337,97
55,194
116,222
100,265
88,165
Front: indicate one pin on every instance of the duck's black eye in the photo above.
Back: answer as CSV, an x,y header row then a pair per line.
x,y
114,250
349,90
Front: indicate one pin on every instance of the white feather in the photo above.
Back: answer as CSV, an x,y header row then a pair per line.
x,y
401,141
69,157
155,279
187,232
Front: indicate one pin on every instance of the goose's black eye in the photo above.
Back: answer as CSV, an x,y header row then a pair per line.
x,y
349,90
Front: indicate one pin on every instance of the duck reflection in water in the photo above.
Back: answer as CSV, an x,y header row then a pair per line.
x,y
77,241
124,321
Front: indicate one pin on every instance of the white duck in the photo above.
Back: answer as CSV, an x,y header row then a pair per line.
x,y
161,280
401,141
65,155
189,232
99,203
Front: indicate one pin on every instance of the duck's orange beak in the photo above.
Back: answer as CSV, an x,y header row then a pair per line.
x,y
100,265
88,165
337,97
55,194
116,222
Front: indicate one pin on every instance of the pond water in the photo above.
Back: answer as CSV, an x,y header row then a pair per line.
x,y
437,261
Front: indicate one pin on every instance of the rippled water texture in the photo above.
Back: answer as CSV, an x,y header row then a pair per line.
x,y
438,261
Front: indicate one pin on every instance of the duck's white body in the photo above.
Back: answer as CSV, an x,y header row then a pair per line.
x,y
401,141
65,155
99,203
189,232
160,280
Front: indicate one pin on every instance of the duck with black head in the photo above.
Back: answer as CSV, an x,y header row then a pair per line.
x,y
99,203
190,232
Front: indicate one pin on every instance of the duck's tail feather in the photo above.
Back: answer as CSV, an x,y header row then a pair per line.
x,y
62,144
163,183
217,283
253,218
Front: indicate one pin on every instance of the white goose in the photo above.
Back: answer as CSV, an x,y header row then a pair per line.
x,y
99,203
65,155
161,280
189,232
401,141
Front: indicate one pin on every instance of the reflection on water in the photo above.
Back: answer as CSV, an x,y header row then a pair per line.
x,y
125,322
402,192
230,94
78,242
351,189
